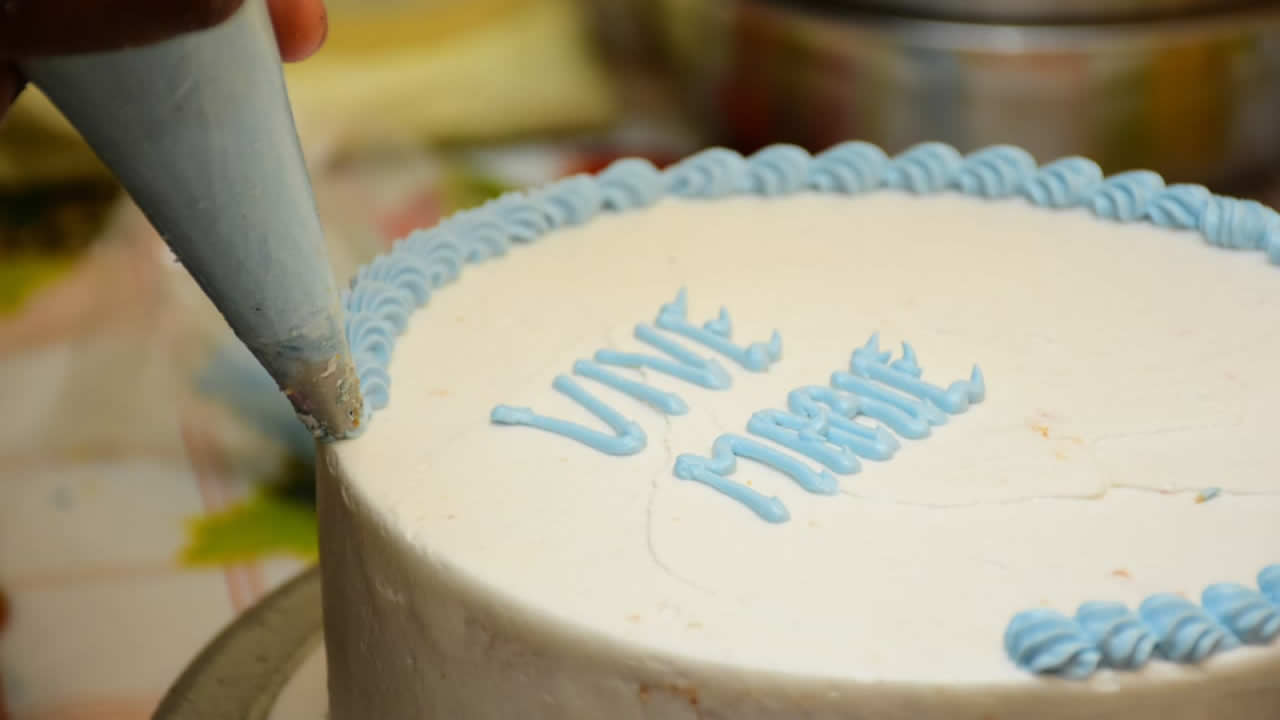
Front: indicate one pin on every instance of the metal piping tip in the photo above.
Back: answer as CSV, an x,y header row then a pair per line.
x,y
327,398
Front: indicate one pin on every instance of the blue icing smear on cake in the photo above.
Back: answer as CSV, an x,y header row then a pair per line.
x,y
823,432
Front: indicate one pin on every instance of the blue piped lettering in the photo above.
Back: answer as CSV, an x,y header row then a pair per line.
x,y
680,362
869,362
628,438
757,356
805,435
723,462
669,403
686,365
820,423
907,416
839,414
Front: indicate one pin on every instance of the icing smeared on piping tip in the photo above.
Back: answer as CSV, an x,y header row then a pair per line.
x,y
327,398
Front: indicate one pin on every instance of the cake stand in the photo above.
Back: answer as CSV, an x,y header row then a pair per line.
x,y
267,665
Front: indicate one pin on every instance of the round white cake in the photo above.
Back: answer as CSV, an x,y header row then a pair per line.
x,y
587,493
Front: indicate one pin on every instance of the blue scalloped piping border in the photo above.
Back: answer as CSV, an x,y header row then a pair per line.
x,y
386,291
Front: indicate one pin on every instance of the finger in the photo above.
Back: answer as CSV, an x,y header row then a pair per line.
x,y
11,83
44,27
301,27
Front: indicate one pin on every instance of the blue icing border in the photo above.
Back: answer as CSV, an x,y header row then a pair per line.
x,y
1063,183
1165,626
1121,638
427,260
1046,641
385,291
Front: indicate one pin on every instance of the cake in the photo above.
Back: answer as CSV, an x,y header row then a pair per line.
x,y
929,437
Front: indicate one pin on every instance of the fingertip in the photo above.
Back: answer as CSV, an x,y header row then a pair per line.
x,y
301,27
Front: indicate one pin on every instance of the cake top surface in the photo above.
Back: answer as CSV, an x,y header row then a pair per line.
x,y
1120,449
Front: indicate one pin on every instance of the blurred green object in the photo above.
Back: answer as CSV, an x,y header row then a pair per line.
x,y
279,519
23,273
465,188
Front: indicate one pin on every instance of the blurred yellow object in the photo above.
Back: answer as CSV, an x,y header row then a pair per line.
x,y
463,71
373,27
38,147
22,273
392,72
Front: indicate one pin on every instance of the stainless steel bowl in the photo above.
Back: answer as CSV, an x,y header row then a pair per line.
x,y
1194,98
240,673
1040,11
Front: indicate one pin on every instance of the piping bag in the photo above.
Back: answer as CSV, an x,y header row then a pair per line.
x,y
198,129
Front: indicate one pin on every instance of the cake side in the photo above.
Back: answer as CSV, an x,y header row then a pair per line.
x,y
411,637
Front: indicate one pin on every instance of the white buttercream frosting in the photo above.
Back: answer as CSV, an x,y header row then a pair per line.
x,y
474,569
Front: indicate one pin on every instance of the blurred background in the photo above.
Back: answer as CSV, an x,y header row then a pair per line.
x,y
152,483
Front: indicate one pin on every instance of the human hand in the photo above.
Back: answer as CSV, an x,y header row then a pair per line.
x,y
31,28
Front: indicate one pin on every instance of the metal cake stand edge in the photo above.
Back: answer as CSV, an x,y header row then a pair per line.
x,y
242,671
